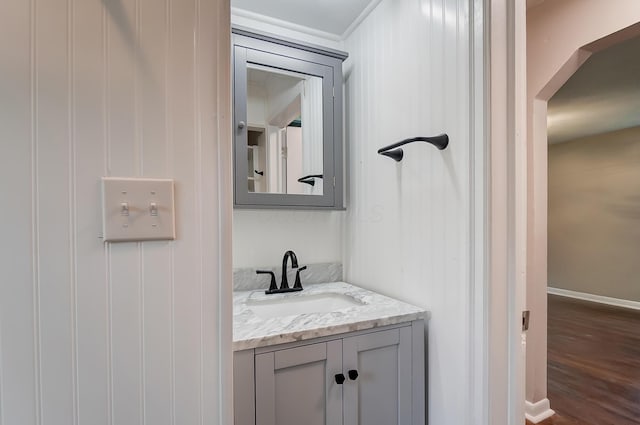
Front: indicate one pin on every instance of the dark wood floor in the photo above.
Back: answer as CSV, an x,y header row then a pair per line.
x,y
593,363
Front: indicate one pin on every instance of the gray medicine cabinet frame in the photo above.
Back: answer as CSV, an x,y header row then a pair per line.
x,y
251,47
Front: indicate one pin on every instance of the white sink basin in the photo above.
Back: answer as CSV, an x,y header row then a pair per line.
x,y
303,304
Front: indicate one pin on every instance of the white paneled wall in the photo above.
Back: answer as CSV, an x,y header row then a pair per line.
x,y
410,225
133,333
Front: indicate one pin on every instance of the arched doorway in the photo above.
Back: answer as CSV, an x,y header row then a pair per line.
x,y
561,37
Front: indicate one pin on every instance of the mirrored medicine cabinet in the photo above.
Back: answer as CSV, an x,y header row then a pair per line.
x,y
287,117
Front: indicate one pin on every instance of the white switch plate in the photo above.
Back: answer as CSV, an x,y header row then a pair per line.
x,y
137,209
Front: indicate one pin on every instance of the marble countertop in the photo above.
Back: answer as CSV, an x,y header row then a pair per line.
x,y
373,310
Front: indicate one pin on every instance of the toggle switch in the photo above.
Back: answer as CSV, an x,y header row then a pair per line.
x,y
131,209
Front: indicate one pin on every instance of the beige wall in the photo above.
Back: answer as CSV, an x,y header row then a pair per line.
x,y
594,214
556,30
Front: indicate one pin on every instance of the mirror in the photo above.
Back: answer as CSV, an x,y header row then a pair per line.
x,y
288,123
284,140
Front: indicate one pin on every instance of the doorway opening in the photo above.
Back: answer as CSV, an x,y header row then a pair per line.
x,y
593,241
540,158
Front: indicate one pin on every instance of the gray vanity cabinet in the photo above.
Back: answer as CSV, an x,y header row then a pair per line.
x,y
381,392
296,384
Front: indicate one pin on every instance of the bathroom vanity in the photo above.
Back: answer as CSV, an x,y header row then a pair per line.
x,y
331,354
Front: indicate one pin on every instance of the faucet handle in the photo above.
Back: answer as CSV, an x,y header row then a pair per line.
x,y
298,284
273,285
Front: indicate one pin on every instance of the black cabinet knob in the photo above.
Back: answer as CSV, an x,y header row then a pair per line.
x,y
340,378
353,374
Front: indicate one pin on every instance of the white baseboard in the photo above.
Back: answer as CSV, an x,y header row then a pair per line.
x,y
539,411
594,298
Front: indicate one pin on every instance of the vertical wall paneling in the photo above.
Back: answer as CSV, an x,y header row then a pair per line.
x,y
213,46
157,280
90,85
16,290
53,232
35,237
125,274
73,213
169,149
225,216
99,333
125,314
409,224
187,305
479,249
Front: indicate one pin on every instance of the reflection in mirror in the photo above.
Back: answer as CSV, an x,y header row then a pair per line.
x,y
285,140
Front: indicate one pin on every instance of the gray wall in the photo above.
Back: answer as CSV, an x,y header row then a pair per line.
x,y
594,215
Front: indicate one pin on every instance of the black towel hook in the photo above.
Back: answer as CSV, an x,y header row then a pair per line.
x,y
396,153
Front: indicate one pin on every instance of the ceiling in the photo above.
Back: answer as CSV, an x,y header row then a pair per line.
x,y
602,96
330,16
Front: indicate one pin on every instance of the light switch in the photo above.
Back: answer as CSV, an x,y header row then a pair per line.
x,y
136,209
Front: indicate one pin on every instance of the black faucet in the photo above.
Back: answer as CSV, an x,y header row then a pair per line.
x,y
284,283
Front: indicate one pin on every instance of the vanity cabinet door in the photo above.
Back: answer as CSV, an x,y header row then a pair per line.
x,y
297,386
378,366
